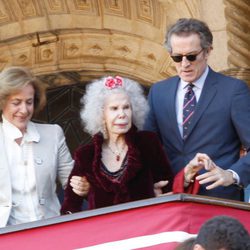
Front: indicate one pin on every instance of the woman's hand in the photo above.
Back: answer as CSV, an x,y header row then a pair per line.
x,y
158,186
195,165
80,185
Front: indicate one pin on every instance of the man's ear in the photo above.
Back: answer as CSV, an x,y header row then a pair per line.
x,y
208,52
198,247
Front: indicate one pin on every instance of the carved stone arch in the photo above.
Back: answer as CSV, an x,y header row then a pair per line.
x,y
237,15
90,38
238,23
68,43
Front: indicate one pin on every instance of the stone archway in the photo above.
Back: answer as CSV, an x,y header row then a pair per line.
x,y
70,42
88,37
63,105
78,40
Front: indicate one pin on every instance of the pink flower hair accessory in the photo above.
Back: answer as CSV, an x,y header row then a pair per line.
x,y
113,82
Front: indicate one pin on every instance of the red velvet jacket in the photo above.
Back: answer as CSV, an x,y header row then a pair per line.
x,y
147,164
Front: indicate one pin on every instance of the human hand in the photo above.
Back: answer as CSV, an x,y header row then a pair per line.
x,y
80,185
195,165
218,177
158,187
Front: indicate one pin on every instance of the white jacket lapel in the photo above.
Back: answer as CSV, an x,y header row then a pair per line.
x,y
5,184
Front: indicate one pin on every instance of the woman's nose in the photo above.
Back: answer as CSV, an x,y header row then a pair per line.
x,y
24,108
121,113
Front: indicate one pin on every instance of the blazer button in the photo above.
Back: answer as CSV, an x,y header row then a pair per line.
x,y
38,161
42,201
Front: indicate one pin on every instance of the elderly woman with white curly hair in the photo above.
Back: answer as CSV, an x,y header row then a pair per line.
x,y
122,163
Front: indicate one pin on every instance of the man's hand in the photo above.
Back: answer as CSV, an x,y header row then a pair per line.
x,y
195,165
218,177
80,185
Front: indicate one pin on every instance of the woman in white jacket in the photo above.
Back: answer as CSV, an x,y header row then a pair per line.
x,y
33,156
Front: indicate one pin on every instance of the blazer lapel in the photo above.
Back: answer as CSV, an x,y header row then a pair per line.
x,y
5,184
39,154
172,109
208,93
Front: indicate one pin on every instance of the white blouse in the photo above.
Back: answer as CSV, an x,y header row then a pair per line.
x,y
25,205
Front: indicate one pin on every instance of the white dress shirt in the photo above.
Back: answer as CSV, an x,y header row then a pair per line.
x,y
25,205
181,91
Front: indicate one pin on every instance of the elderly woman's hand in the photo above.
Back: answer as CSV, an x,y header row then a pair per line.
x,y
80,185
158,186
195,165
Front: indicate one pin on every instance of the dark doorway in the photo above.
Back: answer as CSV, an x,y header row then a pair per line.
x,y
63,105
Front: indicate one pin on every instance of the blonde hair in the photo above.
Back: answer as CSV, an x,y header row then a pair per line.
x,y
13,79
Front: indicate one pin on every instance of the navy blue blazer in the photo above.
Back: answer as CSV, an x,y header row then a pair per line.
x,y
221,124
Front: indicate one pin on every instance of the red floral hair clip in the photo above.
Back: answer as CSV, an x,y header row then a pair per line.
x,y
113,82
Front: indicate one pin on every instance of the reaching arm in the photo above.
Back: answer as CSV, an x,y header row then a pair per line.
x,y
240,115
214,175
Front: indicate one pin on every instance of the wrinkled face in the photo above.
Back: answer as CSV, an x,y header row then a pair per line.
x,y
189,71
19,107
117,114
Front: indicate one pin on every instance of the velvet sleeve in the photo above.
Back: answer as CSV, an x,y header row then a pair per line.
x,y
72,202
160,164
178,185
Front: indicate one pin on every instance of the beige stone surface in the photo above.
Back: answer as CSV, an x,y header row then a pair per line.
x,y
212,13
92,38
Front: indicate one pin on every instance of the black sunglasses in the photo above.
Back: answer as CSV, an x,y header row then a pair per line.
x,y
190,58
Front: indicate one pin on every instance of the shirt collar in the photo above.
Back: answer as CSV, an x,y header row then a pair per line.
x,y
10,130
13,132
32,134
199,83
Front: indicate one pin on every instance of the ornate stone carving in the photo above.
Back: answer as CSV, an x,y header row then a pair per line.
x,y
91,38
127,39
72,51
21,55
237,14
145,11
117,8
56,6
89,7
5,16
96,49
240,73
29,8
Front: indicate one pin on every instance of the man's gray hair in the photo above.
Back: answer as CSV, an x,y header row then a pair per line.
x,y
187,26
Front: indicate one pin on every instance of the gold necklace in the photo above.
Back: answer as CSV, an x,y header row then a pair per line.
x,y
117,153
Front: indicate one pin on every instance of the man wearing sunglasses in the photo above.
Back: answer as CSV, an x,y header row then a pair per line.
x,y
203,111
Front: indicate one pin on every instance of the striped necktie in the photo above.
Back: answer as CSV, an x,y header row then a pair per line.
x,y
188,109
